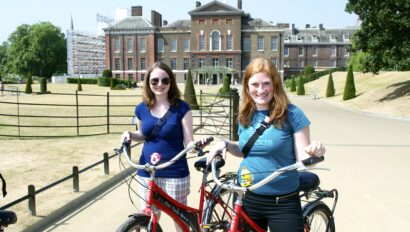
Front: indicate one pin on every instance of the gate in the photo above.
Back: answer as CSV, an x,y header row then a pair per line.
x,y
217,115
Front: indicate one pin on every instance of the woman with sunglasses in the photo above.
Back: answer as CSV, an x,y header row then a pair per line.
x,y
160,95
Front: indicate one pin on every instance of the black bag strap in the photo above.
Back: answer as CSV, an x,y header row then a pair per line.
x,y
264,125
155,131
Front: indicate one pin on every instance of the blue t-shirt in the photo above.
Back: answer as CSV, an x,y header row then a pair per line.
x,y
272,150
168,143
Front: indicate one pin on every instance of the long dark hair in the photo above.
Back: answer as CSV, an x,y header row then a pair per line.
x,y
173,94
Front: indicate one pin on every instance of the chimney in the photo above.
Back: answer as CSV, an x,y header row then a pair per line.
x,y
164,23
307,26
321,27
198,4
136,11
293,29
158,18
240,4
153,18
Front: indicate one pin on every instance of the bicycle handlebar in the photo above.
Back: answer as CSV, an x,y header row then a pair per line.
x,y
197,145
300,165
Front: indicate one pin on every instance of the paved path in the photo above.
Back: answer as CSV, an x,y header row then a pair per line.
x,y
369,158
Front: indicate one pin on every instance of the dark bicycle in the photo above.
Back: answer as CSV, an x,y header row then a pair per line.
x,y
317,216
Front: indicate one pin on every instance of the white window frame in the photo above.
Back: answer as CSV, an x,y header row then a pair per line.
x,y
229,62
286,52
129,45
260,43
160,44
301,51
229,46
215,41
142,44
215,61
173,63
247,44
173,45
201,42
314,51
117,45
187,45
333,51
274,43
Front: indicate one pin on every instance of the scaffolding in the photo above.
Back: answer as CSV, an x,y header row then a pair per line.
x,y
85,54
85,51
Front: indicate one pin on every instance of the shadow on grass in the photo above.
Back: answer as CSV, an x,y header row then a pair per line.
x,y
401,89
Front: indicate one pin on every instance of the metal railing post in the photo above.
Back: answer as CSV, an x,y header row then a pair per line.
x,y
200,108
234,115
32,199
77,113
18,112
108,112
76,185
106,164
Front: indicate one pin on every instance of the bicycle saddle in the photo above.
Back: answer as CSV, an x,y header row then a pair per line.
x,y
201,164
308,181
7,218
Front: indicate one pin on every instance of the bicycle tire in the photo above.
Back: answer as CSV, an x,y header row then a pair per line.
x,y
318,217
137,223
217,215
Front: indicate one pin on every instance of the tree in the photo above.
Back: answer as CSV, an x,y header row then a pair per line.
x,y
301,86
4,69
39,49
350,89
330,89
226,87
309,70
43,85
383,34
189,92
357,61
293,85
107,73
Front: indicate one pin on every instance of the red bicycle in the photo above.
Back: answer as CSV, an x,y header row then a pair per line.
x,y
317,215
188,218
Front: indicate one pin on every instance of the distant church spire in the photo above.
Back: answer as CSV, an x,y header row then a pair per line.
x,y
72,24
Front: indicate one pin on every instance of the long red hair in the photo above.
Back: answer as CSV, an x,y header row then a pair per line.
x,y
279,102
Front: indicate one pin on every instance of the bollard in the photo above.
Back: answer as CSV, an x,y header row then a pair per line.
x,y
32,200
106,164
76,186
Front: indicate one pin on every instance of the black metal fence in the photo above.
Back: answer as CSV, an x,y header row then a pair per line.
x,y
69,115
216,116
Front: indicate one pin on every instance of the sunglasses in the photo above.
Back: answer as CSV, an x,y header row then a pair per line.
x,y
164,81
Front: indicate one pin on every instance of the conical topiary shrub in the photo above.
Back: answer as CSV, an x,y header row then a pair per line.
x,y
301,86
350,89
28,84
293,85
330,89
43,85
189,92
79,87
226,87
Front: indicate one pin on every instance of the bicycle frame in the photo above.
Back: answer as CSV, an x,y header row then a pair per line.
x,y
185,216
240,215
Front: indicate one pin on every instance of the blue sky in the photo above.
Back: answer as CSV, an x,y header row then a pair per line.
x,y
330,13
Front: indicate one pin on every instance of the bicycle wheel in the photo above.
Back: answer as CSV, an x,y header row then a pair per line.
x,y
137,224
318,218
218,213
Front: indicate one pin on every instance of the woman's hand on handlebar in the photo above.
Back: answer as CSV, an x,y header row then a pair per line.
x,y
315,148
218,148
126,136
